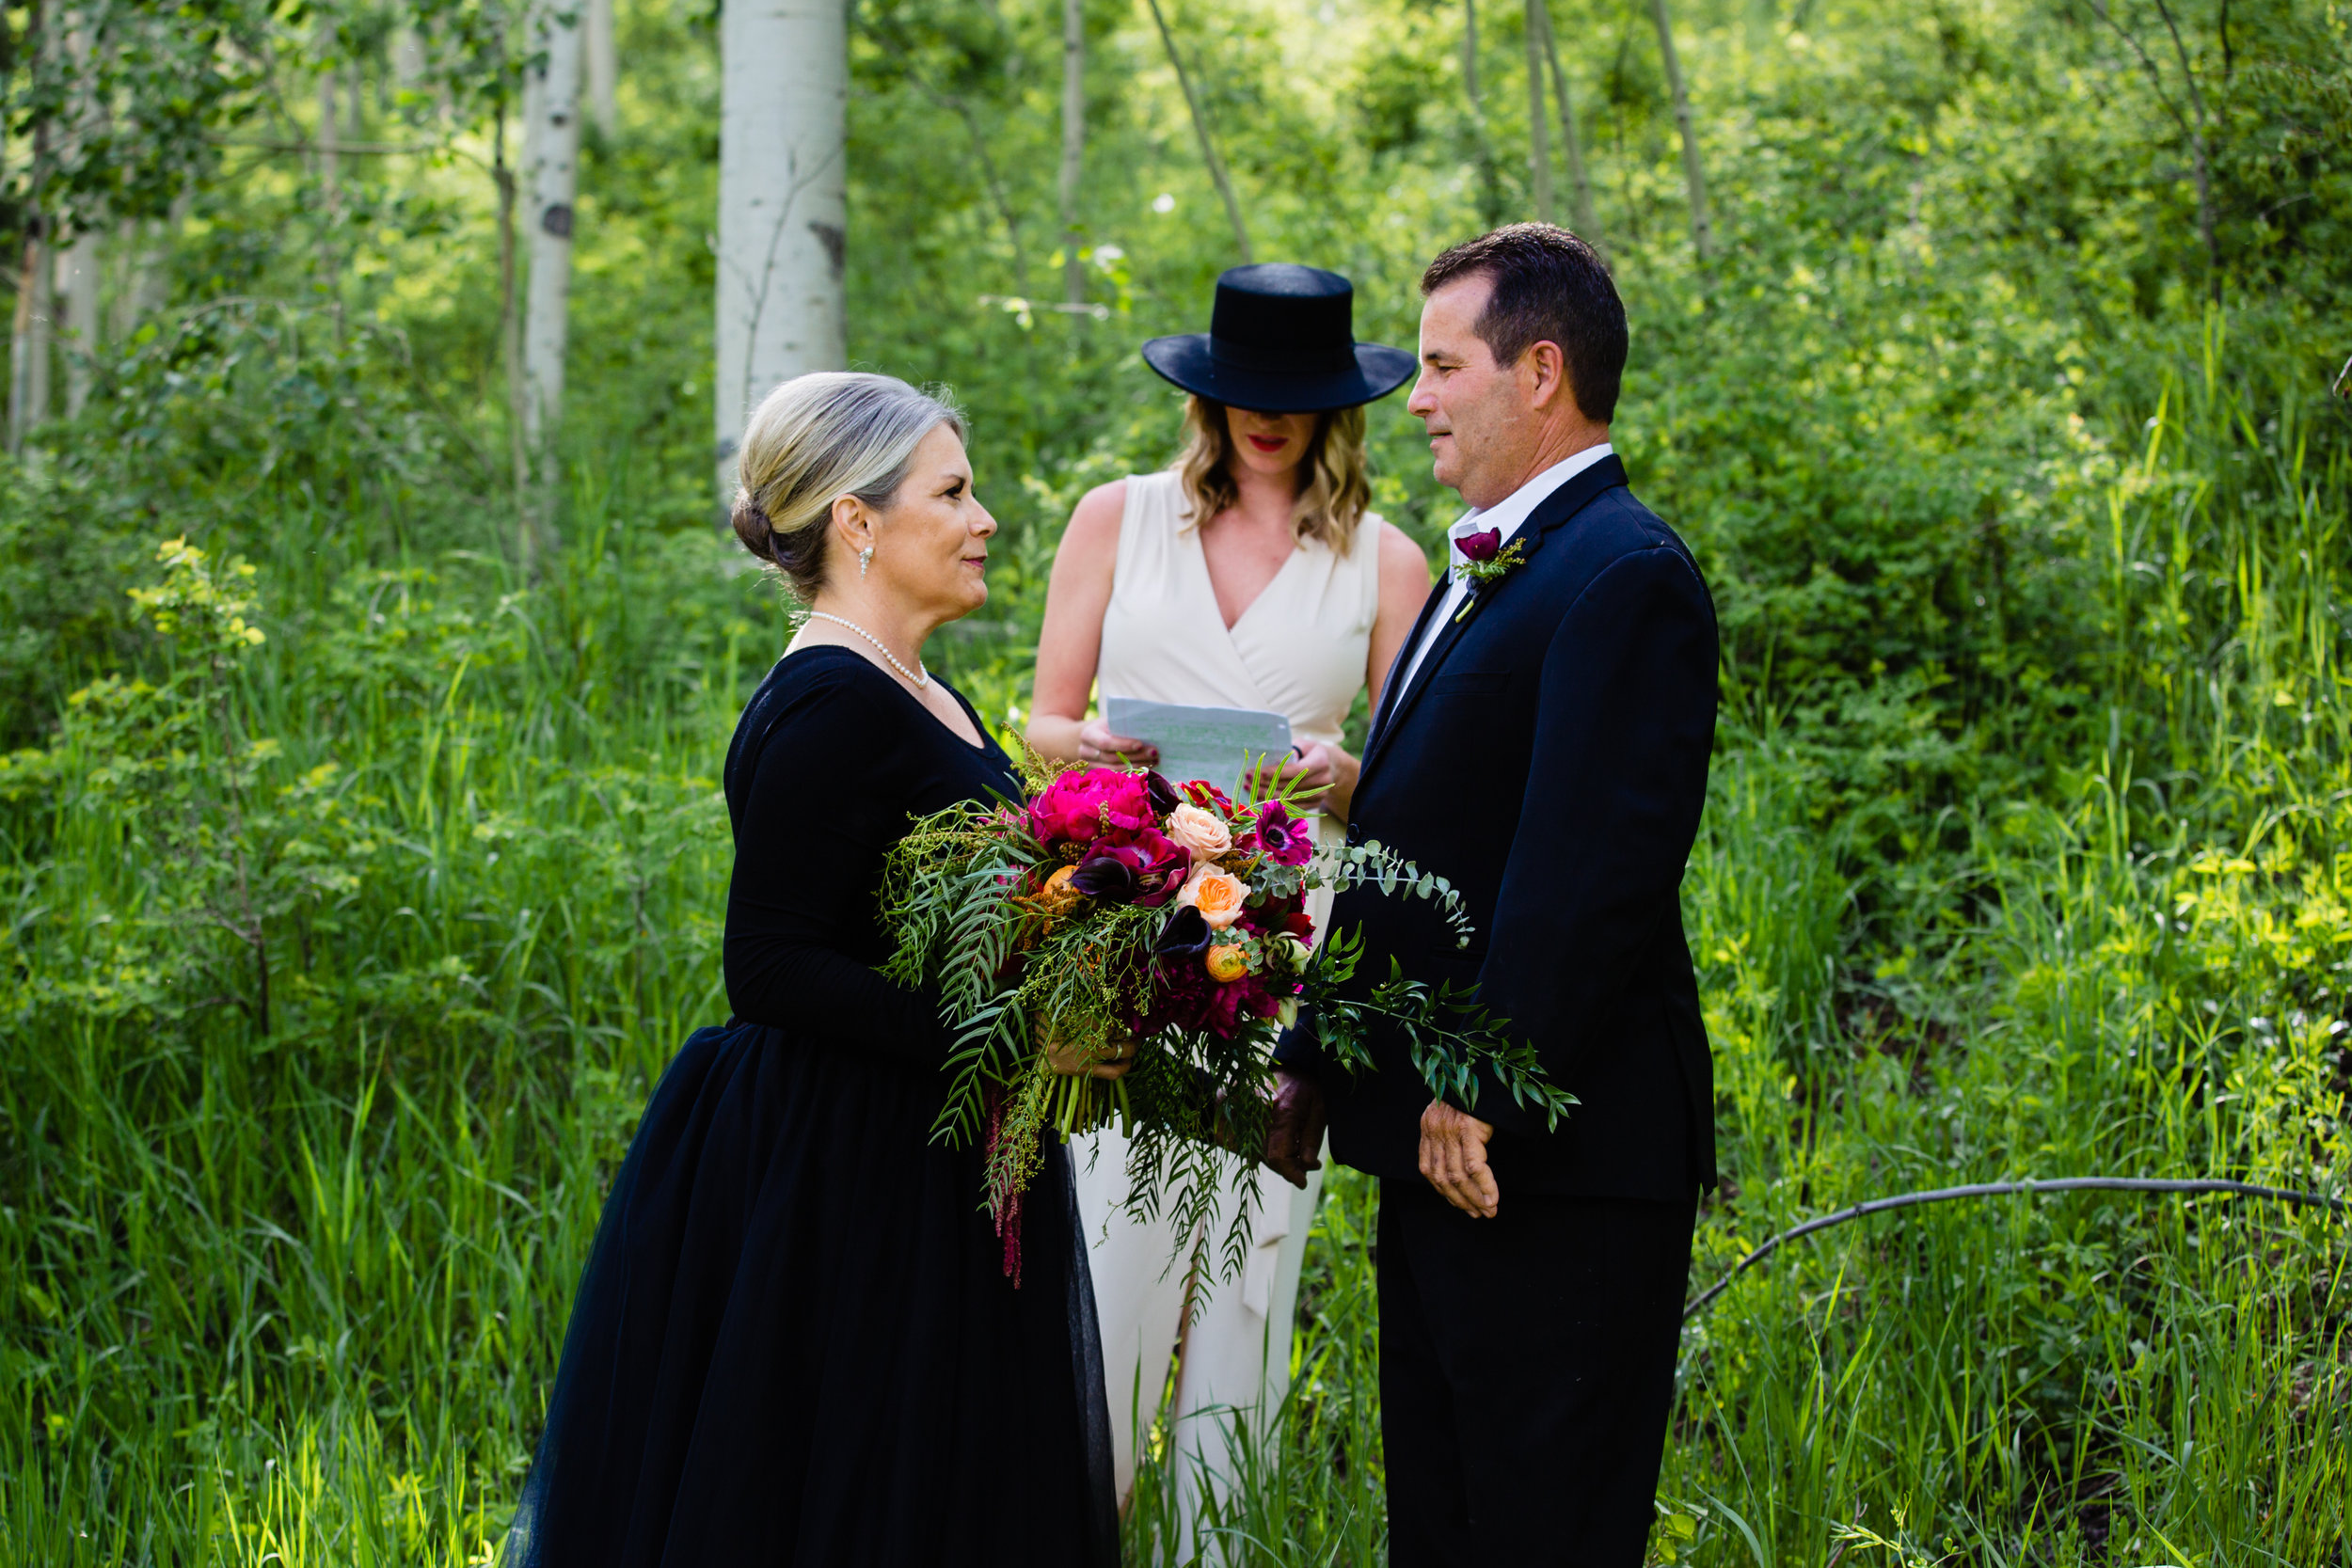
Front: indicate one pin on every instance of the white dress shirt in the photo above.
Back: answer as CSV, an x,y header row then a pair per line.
x,y
1507,514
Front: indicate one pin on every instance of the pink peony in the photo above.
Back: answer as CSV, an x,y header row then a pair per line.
x,y
1088,803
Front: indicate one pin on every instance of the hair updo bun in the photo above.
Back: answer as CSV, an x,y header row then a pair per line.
x,y
814,439
752,528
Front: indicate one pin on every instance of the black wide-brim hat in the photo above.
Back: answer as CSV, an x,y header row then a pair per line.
x,y
1282,339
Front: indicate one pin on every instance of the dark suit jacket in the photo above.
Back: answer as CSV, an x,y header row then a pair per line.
x,y
1549,760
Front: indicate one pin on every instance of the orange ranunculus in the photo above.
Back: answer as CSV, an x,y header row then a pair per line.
x,y
1217,894
1227,964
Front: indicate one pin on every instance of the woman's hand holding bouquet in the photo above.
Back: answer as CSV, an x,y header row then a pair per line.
x,y
1122,948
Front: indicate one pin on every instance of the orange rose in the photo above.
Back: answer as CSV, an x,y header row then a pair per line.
x,y
1217,894
1227,964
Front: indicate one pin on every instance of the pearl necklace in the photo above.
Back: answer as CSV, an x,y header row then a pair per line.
x,y
918,676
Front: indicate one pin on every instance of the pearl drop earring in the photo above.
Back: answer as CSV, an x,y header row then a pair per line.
x,y
864,558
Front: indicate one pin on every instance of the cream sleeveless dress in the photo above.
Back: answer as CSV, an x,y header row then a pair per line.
x,y
1300,649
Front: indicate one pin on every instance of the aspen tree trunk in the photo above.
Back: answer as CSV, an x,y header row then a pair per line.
x,y
1580,186
28,344
78,258
511,351
1470,56
1538,155
1208,143
1073,144
552,100
783,204
603,64
146,286
79,262
1693,177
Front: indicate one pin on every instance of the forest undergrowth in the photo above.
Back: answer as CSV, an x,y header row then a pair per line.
x,y
360,881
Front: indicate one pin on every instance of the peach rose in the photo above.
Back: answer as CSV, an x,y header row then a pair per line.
x,y
1227,964
1200,831
1217,894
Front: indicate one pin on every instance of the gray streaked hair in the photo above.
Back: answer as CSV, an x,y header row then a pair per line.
x,y
819,438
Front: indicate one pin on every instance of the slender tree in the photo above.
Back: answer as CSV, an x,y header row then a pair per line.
x,y
783,203
511,345
603,65
36,295
1538,156
1073,144
1693,176
551,100
79,256
1580,186
1470,58
1207,142
78,263
2192,125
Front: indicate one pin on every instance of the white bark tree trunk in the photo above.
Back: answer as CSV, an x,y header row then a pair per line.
x,y
604,64
28,347
1538,155
551,179
783,204
77,277
1073,144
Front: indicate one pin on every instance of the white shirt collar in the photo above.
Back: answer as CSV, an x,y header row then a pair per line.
x,y
1513,509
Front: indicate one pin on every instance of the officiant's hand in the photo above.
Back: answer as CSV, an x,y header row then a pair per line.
x,y
1313,767
1294,1128
1096,743
1454,1158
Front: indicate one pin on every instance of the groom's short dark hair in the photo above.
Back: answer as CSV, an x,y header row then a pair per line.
x,y
1549,287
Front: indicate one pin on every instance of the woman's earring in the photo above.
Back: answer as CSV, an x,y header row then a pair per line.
x,y
864,558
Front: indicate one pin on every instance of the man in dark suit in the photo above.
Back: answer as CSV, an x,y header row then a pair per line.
x,y
1543,745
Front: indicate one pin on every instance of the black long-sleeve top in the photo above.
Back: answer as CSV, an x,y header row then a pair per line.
x,y
830,760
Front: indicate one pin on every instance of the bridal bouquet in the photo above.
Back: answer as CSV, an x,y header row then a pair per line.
x,y
1115,907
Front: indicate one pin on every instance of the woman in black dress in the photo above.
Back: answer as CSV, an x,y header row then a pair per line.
x,y
796,1341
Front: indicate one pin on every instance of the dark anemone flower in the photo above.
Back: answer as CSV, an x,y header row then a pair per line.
x,y
1281,837
1186,935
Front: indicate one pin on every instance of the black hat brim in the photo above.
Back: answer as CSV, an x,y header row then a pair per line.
x,y
1186,360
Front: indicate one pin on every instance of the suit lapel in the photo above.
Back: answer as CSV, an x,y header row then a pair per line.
x,y
1393,687
1557,507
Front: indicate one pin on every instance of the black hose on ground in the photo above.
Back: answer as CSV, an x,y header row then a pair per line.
x,y
2003,1189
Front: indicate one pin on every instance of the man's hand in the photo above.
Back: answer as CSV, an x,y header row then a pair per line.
x,y
1454,1158
1294,1129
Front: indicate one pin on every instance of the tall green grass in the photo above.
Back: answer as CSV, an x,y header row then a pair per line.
x,y
292,1290
2143,971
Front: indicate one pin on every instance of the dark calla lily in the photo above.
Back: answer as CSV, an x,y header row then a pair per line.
x,y
1106,878
1482,546
1186,935
1160,792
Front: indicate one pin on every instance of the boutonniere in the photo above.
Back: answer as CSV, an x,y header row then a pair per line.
x,y
1479,558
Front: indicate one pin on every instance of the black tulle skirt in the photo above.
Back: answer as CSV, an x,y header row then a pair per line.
x,y
795,1341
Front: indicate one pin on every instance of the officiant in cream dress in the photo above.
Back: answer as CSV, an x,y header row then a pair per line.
x,y
1249,575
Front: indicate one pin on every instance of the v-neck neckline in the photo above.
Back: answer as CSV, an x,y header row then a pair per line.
x,y
1200,553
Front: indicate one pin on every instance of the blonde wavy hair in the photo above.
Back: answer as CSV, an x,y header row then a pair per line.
x,y
1331,501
